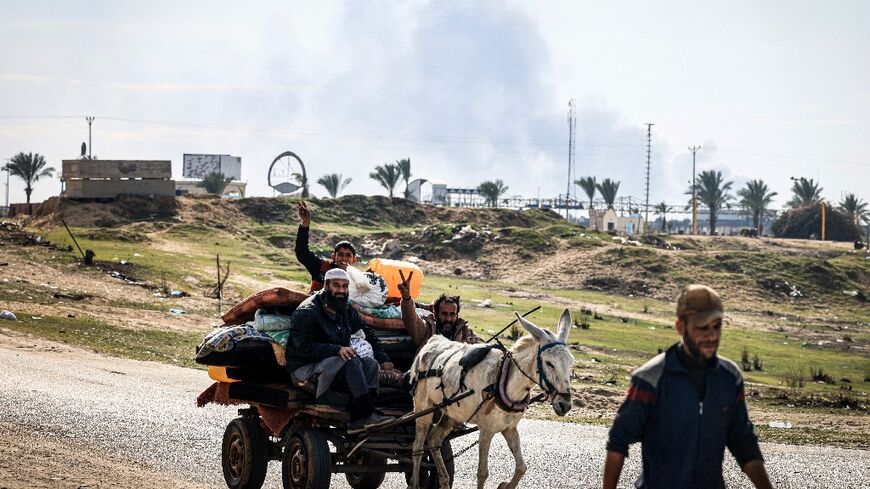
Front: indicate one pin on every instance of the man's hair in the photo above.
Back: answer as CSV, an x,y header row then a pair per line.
x,y
446,299
345,244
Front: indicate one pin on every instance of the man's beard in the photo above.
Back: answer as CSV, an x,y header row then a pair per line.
x,y
444,327
337,303
695,349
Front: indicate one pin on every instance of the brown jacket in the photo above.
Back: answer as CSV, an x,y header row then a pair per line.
x,y
422,329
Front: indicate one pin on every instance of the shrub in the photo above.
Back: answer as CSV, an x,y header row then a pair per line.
x,y
745,364
514,333
795,378
818,375
757,363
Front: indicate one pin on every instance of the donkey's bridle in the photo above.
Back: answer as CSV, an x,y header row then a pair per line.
x,y
543,382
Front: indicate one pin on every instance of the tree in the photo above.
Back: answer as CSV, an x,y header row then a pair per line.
x,y
334,183
404,166
662,209
713,192
215,183
588,186
302,180
608,190
755,198
491,191
855,208
387,175
805,192
29,167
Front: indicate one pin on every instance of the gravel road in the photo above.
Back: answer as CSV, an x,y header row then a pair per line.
x,y
77,419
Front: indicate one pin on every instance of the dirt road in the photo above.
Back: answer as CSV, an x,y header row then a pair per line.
x,y
74,419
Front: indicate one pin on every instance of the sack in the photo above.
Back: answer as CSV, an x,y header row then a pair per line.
x,y
266,321
277,299
366,289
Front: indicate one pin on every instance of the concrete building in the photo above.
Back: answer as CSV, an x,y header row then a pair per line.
x,y
607,220
107,179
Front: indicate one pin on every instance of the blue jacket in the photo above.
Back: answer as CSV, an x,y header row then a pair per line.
x,y
684,439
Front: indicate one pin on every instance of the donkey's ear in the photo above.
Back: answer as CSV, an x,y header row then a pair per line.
x,y
564,326
539,334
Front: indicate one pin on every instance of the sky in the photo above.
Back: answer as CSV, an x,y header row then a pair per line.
x,y
469,91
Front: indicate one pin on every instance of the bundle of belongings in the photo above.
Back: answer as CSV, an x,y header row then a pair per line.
x,y
250,345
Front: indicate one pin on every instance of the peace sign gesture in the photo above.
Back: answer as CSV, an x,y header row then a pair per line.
x,y
405,285
304,213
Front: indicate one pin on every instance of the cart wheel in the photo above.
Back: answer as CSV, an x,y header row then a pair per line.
x,y
372,480
306,463
429,477
245,454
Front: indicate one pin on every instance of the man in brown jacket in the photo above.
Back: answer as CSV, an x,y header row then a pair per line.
x,y
446,320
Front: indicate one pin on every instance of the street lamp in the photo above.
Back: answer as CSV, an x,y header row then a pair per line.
x,y
6,169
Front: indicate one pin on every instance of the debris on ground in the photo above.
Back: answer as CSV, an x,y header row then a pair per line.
x,y
7,315
485,303
780,424
780,287
177,311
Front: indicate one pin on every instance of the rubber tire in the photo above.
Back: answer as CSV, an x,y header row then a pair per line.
x,y
244,454
306,462
367,480
429,479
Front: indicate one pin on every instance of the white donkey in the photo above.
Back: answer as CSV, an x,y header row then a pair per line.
x,y
501,384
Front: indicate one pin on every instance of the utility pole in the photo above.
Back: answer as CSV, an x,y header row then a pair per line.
x,y
648,151
90,120
6,169
694,149
572,125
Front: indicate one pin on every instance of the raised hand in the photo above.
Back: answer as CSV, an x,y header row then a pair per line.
x,y
304,213
405,285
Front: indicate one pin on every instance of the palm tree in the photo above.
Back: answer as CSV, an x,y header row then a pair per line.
x,y
608,190
387,175
404,166
215,183
302,180
806,192
491,191
662,209
29,167
755,198
588,186
334,183
855,208
712,191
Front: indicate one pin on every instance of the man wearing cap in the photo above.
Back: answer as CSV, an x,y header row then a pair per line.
x,y
319,349
685,406
444,321
343,254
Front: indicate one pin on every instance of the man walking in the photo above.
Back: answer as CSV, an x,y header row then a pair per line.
x,y
685,406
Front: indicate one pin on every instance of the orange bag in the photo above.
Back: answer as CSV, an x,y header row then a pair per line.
x,y
389,269
267,299
219,374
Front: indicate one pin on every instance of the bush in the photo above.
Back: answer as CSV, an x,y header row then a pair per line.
x,y
514,333
757,364
745,364
818,375
806,222
795,378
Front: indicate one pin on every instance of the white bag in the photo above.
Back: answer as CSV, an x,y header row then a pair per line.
x,y
366,289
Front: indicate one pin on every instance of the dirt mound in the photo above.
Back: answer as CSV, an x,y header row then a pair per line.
x,y
378,211
121,211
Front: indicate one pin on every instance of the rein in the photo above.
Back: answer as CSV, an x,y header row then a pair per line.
x,y
543,382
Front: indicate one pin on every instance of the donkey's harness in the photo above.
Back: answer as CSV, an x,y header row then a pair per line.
x,y
499,388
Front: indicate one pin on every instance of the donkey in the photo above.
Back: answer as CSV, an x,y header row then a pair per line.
x,y
501,382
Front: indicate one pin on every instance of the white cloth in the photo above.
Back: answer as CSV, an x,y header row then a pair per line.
x,y
359,344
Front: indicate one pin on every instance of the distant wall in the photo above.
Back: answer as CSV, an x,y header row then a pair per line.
x,y
107,179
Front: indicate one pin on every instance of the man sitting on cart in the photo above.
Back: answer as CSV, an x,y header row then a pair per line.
x,y
319,349
343,254
445,320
